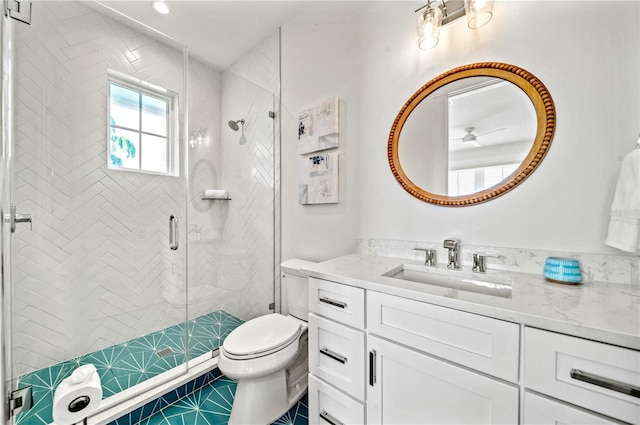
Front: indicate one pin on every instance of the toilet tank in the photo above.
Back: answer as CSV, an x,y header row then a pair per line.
x,y
295,289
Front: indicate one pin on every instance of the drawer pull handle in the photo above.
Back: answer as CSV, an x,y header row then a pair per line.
x,y
327,417
335,303
372,367
607,383
335,356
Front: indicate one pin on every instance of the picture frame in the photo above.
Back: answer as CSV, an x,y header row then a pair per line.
x,y
318,127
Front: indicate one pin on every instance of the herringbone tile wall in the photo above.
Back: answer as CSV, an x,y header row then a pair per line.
x,y
96,268
237,242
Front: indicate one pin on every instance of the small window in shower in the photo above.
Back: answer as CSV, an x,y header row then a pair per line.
x,y
143,130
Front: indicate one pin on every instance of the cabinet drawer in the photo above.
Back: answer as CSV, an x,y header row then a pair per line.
x,y
328,405
551,359
342,303
539,410
337,355
481,343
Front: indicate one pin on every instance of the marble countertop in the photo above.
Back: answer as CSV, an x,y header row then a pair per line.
x,y
607,312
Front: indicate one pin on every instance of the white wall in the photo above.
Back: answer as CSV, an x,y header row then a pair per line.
x,y
320,59
586,53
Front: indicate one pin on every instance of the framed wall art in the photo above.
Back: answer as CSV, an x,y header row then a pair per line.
x,y
318,176
318,127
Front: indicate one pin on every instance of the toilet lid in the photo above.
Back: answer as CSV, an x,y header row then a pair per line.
x,y
262,335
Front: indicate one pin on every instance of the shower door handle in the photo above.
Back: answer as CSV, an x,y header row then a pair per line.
x,y
173,232
12,218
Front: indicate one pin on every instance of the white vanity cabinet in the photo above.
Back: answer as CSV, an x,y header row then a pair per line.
x,y
379,358
336,353
599,377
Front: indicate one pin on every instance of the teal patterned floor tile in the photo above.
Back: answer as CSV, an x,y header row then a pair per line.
x,y
297,415
208,332
124,365
211,405
105,360
43,383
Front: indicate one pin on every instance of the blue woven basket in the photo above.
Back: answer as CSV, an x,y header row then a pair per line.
x,y
562,270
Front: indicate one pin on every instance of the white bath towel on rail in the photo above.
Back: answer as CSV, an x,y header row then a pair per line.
x,y
624,224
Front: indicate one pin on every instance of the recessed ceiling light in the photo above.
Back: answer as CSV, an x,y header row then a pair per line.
x,y
160,7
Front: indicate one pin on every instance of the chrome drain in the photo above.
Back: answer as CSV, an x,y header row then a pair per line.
x,y
164,352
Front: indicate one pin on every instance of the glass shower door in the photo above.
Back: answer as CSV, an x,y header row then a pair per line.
x,y
98,276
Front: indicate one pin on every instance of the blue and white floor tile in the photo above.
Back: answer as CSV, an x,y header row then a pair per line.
x,y
123,365
211,405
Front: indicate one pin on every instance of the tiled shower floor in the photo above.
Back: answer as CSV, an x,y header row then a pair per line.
x,y
124,365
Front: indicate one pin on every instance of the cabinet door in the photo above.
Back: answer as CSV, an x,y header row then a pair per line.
x,y
408,387
539,410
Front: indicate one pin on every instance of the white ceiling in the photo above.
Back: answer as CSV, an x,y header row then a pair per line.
x,y
218,32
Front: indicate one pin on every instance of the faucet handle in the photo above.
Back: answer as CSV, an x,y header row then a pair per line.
x,y
429,256
480,263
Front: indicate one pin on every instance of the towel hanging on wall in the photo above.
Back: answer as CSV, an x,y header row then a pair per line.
x,y
624,223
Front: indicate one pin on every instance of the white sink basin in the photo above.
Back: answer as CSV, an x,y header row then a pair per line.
x,y
453,279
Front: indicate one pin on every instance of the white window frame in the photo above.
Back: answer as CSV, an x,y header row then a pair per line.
x,y
171,97
478,180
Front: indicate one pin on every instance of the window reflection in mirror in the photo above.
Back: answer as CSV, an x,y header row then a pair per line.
x,y
467,136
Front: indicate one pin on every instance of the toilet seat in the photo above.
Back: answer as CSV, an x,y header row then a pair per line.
x,y
261,336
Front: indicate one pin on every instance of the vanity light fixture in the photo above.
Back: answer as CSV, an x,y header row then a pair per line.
x,y
428,26
432,16
160,7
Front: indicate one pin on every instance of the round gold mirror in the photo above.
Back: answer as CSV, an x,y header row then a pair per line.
x,y
471,134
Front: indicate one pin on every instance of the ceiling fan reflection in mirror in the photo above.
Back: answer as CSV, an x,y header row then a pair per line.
x,y
472,138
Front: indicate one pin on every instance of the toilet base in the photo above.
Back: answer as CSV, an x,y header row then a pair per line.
x,y
261,400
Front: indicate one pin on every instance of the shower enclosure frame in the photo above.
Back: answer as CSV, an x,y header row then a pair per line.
x,y
16,400
6,32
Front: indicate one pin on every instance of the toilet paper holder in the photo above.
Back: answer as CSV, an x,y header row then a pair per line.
x,y
77,397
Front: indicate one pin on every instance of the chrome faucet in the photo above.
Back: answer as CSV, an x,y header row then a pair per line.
x,y
453,259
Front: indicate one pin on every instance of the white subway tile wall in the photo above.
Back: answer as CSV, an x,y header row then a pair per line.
x,y
97,269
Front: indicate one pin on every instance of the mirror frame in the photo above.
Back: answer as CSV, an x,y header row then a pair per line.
x,y
546,123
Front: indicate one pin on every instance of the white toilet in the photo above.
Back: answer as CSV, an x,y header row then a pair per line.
x,y
268,355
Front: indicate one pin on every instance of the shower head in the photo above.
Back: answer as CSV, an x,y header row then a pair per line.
x,y
234,124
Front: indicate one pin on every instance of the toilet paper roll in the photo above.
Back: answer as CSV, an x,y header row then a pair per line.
x,y
77,396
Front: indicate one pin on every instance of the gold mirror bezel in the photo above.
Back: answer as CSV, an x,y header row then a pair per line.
x,y
546,123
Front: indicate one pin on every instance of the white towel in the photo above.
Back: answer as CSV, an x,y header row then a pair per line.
x,y
624,225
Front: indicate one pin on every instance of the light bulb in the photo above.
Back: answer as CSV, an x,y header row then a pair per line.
x,y
478,12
